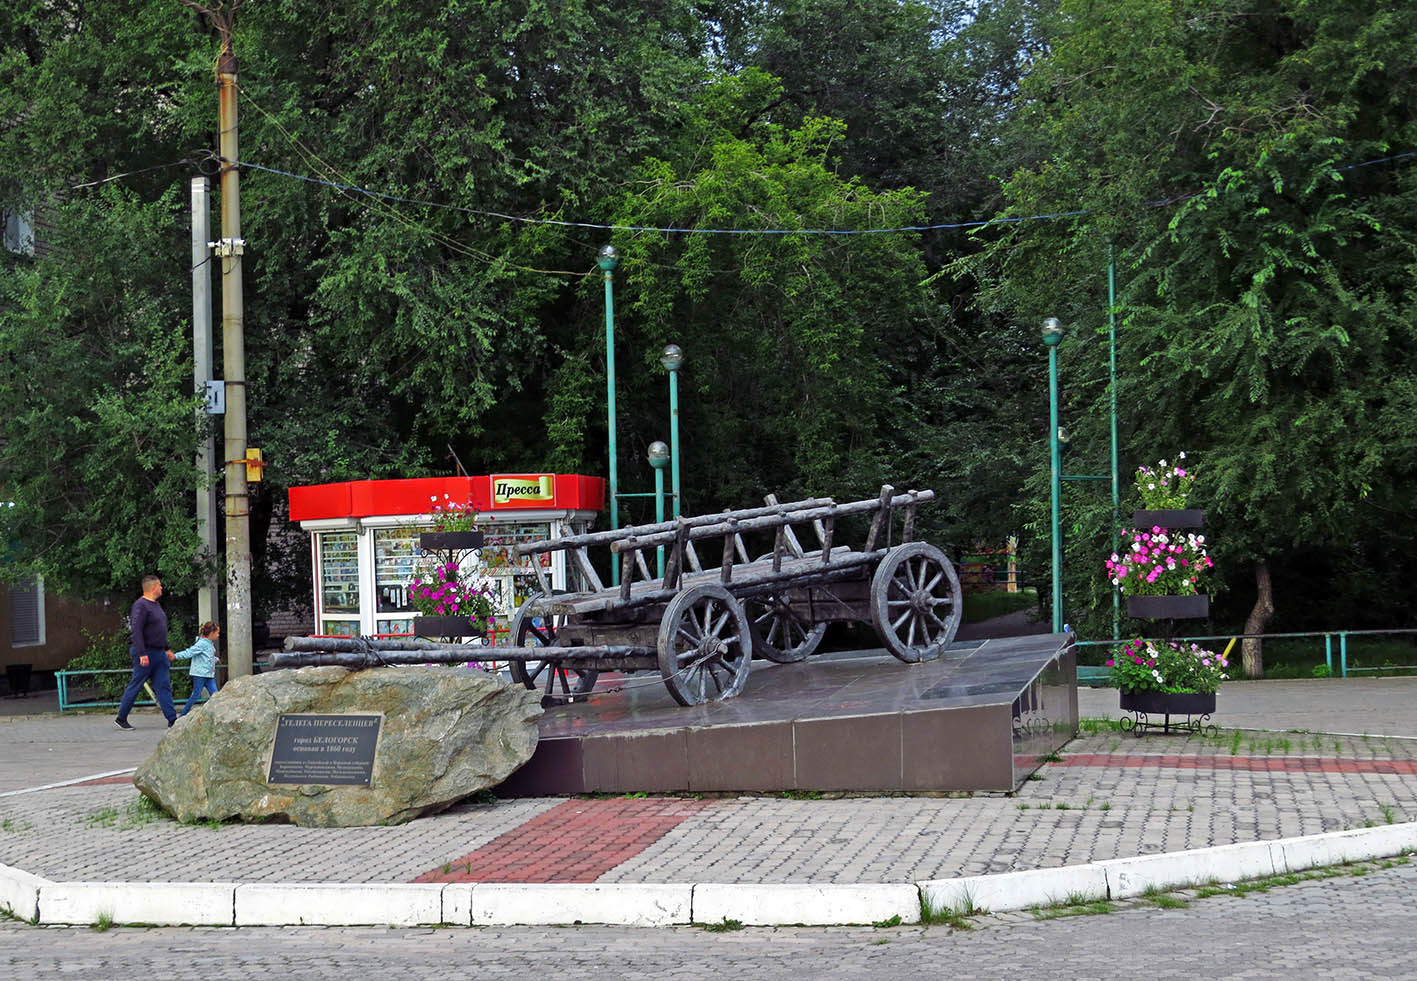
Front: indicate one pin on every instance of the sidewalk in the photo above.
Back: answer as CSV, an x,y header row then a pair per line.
x,y
1110,796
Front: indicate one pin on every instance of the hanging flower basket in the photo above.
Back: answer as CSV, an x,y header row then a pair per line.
x,y
445,626
1169,519
1195,607
432,541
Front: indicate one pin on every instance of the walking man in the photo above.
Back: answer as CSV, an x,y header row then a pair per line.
x,y
149,652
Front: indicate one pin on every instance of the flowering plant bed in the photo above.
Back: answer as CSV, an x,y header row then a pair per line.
x,y
1165,486
450,592
1147,666
1157,562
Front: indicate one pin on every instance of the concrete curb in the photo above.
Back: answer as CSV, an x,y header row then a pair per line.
x,y
19,893
39,900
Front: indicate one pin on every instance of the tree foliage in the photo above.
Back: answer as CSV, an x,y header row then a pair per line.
x,y
1266,266
426,186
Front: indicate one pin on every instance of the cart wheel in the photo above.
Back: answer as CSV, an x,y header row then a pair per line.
x,y
915,601
562,684
779,632
705,648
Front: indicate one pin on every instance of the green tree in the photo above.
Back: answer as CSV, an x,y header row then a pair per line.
x,y
800,347
1268,309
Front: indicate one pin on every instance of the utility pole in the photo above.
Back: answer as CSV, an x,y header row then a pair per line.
x,y
233,350
207,593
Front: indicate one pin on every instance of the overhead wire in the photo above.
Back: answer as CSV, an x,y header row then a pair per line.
x,y
679,230
451,243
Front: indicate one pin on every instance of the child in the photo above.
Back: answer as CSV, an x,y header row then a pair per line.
x,y
203,655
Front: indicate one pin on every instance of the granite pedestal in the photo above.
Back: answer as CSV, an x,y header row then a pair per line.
x,y
980,718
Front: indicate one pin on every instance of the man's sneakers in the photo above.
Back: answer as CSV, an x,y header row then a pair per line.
x,y
171,722
123,724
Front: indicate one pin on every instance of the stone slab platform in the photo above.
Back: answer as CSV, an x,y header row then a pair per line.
x,y
979,718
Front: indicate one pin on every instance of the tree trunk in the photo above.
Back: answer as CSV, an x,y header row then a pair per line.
x,y
1253,650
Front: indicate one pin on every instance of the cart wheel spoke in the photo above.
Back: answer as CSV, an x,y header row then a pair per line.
x,y
779,632
915,601
705,646
717,629
526,632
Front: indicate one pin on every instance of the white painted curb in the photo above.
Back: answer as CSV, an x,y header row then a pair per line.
x,y
1297,854
780,904
19,893
166,903
1125,878
32,898
1016,890
338,904
558,903
1130,877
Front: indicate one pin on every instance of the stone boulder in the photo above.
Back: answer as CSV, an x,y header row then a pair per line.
x,y
446,733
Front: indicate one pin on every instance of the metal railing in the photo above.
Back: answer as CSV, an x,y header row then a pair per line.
x,y
61,681
1328,635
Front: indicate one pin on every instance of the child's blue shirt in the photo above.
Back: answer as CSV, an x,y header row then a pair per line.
x,y
203,655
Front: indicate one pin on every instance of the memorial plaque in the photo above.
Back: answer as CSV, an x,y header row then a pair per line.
x,y
325,749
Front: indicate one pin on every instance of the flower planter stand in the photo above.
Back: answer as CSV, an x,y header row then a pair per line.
x,y
445,626
1170,520
1196,607
1195,708
456,541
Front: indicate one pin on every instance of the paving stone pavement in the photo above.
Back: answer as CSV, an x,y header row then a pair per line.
x,y
1109,796
1344,928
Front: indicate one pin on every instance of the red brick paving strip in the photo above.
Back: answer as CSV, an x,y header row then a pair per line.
x,y
103,780
576,841
1264,764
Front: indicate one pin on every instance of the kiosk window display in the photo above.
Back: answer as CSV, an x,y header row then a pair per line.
x,y
364,540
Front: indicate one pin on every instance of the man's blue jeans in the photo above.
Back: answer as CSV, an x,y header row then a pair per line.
x,y
199,685
156,672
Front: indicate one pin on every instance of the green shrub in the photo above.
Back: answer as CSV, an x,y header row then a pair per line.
x,y
984,605
105,652
108,652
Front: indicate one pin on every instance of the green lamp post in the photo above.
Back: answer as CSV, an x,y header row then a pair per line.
x,y
672,358
659,458
607,261
1052,336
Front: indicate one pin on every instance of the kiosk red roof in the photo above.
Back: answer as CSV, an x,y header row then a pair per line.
x,y
489,493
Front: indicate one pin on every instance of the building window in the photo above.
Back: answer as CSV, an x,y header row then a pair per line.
x,y
27,613
19,232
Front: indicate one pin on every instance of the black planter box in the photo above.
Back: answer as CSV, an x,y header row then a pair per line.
x,y
1169,607
1166,703
1146,520
431,541
17,676
435,626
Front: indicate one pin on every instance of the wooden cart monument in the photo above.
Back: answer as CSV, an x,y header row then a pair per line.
x,y
700,627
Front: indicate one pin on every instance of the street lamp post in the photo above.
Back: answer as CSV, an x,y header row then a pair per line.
x,y
658,458
1052,335
607,261
672,358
